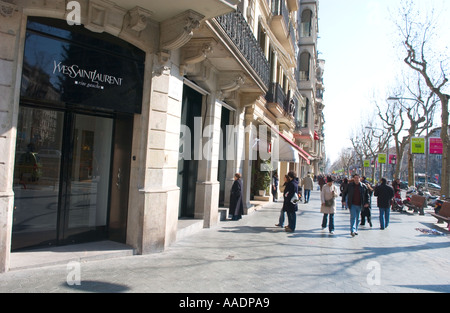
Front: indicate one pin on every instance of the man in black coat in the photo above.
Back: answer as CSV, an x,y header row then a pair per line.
x,y
236,198
290,206
357,199
385,195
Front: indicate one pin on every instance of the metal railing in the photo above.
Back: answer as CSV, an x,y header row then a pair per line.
x,y
240,33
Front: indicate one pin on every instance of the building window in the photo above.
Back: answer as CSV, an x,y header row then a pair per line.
x,y
262,38
304,66
305,24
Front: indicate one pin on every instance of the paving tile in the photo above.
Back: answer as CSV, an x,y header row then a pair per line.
x,y
254,256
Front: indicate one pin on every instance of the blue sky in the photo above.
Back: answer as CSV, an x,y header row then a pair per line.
x,y
357,41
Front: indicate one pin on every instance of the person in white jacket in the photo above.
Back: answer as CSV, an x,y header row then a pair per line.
x,y
328,197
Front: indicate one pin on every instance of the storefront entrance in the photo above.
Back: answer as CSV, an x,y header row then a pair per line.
x,y
61,177
79,94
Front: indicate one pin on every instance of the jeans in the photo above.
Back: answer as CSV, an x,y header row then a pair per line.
x,y
281,219
307,194
331,223
355,211
344,201
384,217
292,219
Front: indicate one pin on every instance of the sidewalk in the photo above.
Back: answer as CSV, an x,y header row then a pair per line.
x,y
254,256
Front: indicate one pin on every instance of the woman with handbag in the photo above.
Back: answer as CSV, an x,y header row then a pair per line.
x,y
290,201
328,196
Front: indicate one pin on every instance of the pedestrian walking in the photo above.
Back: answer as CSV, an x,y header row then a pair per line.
x,y
236,198
282,188
308,185
357,199
366,212
275,187
344,190
290,201
321,181
384,194
328,196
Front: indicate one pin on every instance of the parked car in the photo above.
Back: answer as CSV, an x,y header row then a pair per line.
x,y
404,185
430,185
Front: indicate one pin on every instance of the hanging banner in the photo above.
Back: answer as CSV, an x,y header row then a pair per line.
x,y
436,146
366,163
418,145
382,158
392,159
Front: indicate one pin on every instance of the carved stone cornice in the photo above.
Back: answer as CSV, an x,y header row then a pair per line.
x,y
177,31
100,17
160,64
7,8
194,52
137,18
229,83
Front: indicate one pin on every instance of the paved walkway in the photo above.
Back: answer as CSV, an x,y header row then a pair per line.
x,y
254,256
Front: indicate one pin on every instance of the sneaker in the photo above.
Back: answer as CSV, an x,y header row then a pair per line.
x,y
278,225
332,232
288,230
352,234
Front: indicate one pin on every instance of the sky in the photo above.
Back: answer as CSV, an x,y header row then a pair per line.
x,y
356,40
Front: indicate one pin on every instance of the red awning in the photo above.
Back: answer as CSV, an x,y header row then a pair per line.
x,y
316,136
306,156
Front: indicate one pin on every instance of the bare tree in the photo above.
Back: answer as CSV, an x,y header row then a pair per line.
x,y
347,159
393,120
369,143
416,36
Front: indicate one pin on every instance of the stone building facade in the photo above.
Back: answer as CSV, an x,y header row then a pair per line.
x,y
119,118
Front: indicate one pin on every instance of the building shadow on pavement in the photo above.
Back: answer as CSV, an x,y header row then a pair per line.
x,y
250,229
96,287
432,288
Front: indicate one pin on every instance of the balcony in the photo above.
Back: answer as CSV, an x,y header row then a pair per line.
x,y
280,105
236,28
282,26
161,11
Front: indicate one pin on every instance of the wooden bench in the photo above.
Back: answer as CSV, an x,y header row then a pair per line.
x,y
418,204
444,214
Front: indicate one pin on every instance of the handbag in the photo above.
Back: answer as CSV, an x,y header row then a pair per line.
x,y
294,198
330,203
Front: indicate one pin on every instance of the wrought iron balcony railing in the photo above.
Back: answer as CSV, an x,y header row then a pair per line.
x,y
240,33
277,95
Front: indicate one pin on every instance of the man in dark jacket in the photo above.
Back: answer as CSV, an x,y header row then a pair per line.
x,y
290,206
385,195
357,199
236,198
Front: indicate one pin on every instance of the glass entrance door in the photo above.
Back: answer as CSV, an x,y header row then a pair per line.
x,y
37,177
87,195
61,178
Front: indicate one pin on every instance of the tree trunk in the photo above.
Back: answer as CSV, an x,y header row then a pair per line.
x,y
411,178
445,177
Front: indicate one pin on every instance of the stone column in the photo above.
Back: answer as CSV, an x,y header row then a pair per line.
x,y
208,188
154,196
249,134
10,57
